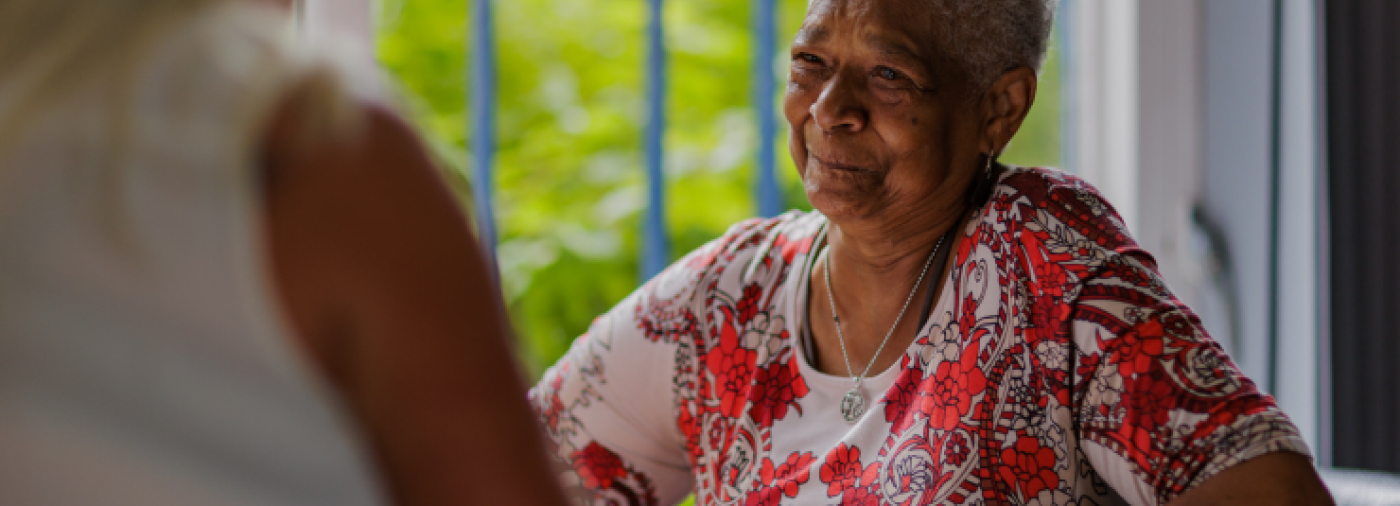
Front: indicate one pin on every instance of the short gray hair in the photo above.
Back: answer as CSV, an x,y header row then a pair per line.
x,y
989,37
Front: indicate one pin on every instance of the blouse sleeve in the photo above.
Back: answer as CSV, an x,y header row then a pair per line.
x,y
609,406
1161,408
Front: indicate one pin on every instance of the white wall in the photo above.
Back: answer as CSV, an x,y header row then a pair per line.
x,y
1170,119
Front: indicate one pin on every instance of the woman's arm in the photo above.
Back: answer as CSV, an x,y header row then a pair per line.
x,y
1276,479
610,406
1164,415
389,295
625,408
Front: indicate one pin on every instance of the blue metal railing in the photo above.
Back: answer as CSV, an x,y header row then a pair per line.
x,y
483,118
655,253
769,200
655,248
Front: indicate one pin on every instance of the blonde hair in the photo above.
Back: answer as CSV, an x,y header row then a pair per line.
x,y
50,49
53,51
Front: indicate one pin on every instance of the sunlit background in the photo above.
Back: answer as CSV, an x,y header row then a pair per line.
x,y
570,185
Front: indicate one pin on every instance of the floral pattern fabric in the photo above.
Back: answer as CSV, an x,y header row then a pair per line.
x,y
1056,368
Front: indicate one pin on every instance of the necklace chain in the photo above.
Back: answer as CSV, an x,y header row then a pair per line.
x,y
852,412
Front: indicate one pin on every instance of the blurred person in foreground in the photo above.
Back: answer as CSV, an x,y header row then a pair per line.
x,y
229,279
944,329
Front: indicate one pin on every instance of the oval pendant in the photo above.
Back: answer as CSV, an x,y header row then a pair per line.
x,y
853,406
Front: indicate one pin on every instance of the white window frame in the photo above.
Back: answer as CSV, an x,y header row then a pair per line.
x,y
1148,81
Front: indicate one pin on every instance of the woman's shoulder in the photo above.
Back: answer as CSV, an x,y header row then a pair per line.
x,y
1063,196
754,251
1041,185
753,256
1061,214
787,235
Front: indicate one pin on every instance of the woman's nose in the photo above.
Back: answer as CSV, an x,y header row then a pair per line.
x,y
839,106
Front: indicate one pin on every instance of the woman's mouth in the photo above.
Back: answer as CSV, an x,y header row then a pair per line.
x,y
838,164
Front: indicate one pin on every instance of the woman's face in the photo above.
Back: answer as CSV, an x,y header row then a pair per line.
x,y
879,119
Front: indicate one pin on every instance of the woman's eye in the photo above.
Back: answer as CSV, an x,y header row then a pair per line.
x,y
887,73
809,58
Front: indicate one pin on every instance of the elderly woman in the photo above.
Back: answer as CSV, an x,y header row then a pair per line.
x,y
944,330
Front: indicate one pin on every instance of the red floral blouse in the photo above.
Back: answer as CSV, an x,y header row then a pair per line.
x,y
1056,368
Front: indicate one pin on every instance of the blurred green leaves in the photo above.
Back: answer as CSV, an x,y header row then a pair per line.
x,y
569,167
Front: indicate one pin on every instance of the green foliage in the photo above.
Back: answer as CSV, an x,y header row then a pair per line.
x,y
569,169
1038,141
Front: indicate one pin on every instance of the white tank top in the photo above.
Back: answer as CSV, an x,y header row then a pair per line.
x,y
143,358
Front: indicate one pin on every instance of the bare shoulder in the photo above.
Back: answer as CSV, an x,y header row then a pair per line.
x,y
347,213
374,141
387,289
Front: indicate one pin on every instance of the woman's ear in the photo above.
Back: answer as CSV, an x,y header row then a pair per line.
x,y
1005,106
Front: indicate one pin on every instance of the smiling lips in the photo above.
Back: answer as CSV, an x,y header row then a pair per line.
x,y
838,165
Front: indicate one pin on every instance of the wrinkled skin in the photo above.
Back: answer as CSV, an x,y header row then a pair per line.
x,y
881,122
887,133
